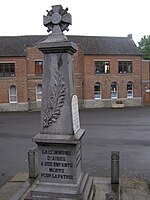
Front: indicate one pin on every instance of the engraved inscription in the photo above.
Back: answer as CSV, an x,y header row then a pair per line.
x,y
75,114
56,164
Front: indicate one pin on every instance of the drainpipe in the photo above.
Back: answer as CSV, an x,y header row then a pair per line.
x,y
149,83
142,92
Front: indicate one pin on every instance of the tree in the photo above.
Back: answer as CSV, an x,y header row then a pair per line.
x,y
144,46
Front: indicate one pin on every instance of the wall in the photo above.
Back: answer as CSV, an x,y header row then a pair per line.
x,y
78,63
33,80
33,54
84,79
106,79
20,81
107,103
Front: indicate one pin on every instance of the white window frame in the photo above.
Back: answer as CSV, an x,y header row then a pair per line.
x,y
12,96
114,91
130,91
99,92
38,93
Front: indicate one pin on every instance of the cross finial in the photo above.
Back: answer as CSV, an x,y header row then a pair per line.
x,y
57,19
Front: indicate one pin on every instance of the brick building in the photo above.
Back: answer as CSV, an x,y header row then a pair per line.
x,y
112,71
106,69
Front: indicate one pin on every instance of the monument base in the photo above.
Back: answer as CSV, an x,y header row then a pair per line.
x,y
60,174
47,191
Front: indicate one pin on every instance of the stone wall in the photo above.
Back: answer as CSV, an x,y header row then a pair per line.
x,y
107,103
5,107
25,106
92,103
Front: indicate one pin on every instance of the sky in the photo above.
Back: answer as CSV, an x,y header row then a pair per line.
x,y
93,18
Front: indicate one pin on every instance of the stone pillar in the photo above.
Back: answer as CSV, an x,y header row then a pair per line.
x,y
115,167
60,139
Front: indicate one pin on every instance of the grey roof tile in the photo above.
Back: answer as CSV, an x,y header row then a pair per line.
x,y
16,45
106,45
12,46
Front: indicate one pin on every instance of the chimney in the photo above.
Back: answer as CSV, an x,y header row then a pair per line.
x,y
130,36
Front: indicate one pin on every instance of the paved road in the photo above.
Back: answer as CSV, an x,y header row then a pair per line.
x,y
126,130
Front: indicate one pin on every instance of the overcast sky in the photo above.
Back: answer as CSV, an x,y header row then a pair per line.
x,y
95,17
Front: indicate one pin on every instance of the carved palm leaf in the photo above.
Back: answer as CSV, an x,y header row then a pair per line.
x,y
56,100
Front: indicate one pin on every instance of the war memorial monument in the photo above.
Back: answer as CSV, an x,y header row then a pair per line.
x,y
59,142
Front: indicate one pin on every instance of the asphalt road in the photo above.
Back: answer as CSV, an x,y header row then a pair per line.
x,y
126,130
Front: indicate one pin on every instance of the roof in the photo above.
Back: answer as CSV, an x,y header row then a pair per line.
x,y
14,46
106,45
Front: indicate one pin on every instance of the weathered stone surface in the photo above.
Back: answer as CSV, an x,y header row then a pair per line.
x,y
60,138
57,19
58,88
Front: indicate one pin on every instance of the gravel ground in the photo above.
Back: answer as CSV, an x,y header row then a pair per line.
x,y
134,189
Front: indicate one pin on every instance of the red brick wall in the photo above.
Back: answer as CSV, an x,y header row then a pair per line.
x,y
90,78
78,63
84,76
33,54
19,80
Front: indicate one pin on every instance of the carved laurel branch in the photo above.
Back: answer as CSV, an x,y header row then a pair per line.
x,y
56,100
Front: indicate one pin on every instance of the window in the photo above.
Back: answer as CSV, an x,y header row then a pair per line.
x,y
12,94
114,90
102,67
97,90
129,90
7,69
38,67
39,92
125,66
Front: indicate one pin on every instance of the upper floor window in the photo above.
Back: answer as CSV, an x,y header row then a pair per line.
x,y
125,66
38,67
7,69
114,90
97,91
12,94
102,67
129,90
39,92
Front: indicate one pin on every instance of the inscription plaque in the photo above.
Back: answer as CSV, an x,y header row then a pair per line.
x,y
75,114
56,164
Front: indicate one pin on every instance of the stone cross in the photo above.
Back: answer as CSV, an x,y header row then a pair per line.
x,y
57,20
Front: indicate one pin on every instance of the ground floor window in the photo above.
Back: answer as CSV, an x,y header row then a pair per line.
x,y
129,90
114,90
12,94
39,92
97,90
